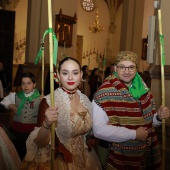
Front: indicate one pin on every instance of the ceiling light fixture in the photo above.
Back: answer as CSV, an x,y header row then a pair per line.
x,y
96,27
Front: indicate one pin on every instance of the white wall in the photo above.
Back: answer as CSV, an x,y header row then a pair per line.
x,y
148,11
38,23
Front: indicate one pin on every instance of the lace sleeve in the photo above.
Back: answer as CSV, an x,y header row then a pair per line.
x,y
35,153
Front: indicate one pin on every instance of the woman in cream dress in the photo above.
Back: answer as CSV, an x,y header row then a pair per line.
x,y
72,114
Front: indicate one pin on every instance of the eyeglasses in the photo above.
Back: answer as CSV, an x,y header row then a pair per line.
x,y
130,68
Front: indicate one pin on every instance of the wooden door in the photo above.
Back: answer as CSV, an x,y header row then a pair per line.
x,y
7,23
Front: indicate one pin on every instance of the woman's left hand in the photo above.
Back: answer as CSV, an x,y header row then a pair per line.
x,y
163,113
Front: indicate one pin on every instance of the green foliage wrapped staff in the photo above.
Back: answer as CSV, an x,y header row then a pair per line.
x,y
53,49
163,87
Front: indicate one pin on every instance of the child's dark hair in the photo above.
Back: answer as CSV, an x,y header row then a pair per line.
x,y
65,59
28,75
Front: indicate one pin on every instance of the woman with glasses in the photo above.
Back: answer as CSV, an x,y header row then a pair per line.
x,y
124,115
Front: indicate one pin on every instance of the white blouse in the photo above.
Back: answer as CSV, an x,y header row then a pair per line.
x,y
103,130
10,99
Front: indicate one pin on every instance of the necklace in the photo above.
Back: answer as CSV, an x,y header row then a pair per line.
x,y
70,94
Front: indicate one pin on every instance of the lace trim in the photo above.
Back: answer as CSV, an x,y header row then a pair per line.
x,y
64,124
34,152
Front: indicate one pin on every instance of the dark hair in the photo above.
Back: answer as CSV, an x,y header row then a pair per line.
x,y
107,72
85,74
66,59
93,72
28,75
84,68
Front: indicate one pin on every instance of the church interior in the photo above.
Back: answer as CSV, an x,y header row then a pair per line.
x,y
90,31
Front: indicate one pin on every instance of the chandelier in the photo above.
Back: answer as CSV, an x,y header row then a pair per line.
x,y
96,27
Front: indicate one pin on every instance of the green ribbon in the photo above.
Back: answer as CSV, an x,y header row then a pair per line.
x,y
55,49
21,95
163,53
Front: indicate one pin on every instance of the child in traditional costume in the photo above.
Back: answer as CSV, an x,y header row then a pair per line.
x,y
25,104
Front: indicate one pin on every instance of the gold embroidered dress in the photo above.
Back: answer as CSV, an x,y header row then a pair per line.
x,y
71,131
